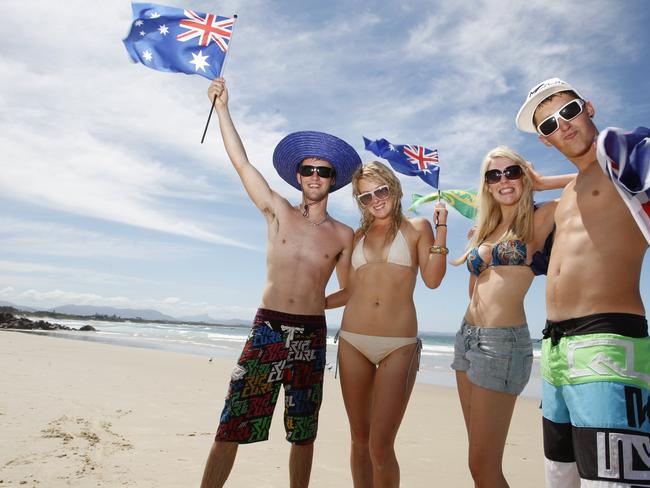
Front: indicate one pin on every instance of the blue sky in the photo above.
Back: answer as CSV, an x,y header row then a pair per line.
x,y
107,197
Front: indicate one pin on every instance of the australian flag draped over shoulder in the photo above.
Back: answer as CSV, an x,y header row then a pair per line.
x,y
625,158
408,160
179,40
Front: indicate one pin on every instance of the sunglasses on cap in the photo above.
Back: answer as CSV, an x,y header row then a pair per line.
x,y
513,172
322,171
380,193
567,112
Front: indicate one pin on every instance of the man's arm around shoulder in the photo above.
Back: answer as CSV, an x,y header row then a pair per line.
x,y
346,236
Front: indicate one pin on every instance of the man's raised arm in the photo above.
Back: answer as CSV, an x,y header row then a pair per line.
x,y
254,183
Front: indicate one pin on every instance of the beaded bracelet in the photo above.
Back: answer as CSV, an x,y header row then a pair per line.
x,y
438,250
441,225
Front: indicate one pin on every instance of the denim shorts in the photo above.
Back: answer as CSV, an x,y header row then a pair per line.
x,y
496,358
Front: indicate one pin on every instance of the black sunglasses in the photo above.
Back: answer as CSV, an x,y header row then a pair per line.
x,y
513,172
567,112
322,171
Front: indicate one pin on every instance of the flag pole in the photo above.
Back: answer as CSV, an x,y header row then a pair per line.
x,y
232,34
436,223
223,67
439,196
438,177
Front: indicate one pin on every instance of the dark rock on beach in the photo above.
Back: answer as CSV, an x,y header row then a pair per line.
x,y
9,321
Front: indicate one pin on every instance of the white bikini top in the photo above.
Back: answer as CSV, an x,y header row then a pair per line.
x,y
397,254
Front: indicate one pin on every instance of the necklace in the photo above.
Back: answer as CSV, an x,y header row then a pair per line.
x,y
305,215
316,224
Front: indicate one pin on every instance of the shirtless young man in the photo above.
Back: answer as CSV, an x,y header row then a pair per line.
x,y
596,350
286,345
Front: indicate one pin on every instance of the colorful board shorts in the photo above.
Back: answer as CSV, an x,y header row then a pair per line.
x,y
282,349
596,401
496,358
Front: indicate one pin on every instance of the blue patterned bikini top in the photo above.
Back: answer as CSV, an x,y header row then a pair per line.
x,y
504,253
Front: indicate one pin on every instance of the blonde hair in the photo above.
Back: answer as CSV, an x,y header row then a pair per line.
x,y
381,175
489,211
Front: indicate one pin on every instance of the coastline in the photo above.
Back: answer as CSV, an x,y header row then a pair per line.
x,y
80,413
226,341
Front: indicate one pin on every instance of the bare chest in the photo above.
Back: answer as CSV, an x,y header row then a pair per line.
x,y
591,206
592,219
297,240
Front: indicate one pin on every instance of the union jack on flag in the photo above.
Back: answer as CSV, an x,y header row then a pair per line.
x,y
208,28
179,40
408,159
421,156
625,158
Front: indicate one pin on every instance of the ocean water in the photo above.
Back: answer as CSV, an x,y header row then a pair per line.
x,y
227,342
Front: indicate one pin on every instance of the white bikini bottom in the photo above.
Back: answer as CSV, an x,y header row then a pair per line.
x,y
376,348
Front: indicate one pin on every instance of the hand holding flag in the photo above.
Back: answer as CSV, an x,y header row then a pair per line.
x,y
165,39
440,214
217,92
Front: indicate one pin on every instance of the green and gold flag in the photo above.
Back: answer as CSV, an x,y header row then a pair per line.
x,y
464,201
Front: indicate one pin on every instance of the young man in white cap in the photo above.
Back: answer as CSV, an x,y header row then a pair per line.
x,y
286,345
596,350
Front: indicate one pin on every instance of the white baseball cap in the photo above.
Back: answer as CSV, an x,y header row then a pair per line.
x,y
537,95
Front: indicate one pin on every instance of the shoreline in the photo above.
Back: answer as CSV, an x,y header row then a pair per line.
x,y
435,376
82,414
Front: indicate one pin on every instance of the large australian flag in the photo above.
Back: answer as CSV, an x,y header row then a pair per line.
x,y
179,40
407,159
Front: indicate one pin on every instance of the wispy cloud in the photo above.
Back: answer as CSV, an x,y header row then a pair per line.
x,y
16,271
77,173
45,238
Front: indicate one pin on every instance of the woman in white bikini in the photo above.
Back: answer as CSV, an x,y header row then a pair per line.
x,y
379,348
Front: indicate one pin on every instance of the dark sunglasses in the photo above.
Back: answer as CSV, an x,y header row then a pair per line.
x,y
380,193
322,171
567,112
513,172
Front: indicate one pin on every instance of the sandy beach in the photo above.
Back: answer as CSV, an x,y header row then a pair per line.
x,y
83,414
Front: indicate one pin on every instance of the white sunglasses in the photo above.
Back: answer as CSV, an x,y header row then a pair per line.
x,y
380,193
568,111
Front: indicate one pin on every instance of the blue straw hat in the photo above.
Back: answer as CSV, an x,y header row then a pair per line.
x,y
298,146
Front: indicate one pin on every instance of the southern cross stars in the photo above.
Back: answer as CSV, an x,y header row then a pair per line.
x,y
199,61
163,29
147,55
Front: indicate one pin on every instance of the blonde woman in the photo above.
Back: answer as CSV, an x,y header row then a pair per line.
x,y
493,351
379,347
